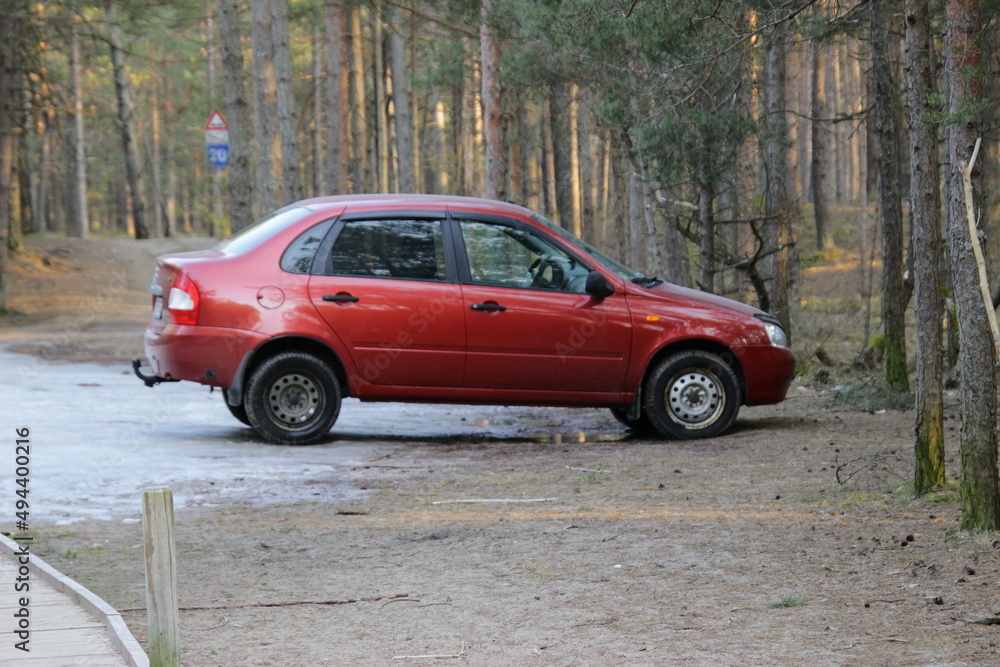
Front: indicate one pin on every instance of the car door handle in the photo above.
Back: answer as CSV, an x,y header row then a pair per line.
x,y
489,307
340,298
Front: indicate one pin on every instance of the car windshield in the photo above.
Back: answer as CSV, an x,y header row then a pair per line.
x,y
265,228
614,265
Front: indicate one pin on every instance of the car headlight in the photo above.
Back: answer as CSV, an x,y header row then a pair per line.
x,y
776,334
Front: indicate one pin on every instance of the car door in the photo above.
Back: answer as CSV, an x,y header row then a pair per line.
x,y
530,323
387,288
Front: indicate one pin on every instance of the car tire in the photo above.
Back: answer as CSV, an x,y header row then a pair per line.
x,y
293,398
238,411
692,394
641,425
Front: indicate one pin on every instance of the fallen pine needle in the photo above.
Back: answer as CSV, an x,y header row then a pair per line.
x,y
431,656
604,472
494,500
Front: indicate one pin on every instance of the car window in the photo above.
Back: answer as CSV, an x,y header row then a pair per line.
x,y
298,258
408,249
262,230
511,257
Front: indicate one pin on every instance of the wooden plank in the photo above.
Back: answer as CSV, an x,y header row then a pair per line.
x,y
63,643
88,660
60,618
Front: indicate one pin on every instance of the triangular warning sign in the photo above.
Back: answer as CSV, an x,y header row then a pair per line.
x,y
216,122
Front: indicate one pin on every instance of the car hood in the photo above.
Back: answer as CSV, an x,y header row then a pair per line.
x,y
693,297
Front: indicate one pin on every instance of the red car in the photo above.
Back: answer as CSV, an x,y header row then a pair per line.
x,y
452,300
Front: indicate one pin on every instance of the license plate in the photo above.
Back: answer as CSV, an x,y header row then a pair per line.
x,y
158,308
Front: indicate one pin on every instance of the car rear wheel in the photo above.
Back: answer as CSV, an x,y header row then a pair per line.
x,y
293,399
238,411
692,394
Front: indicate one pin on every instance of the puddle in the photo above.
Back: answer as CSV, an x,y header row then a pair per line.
x,y
577,438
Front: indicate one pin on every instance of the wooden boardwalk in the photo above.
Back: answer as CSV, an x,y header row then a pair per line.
x,y
69,625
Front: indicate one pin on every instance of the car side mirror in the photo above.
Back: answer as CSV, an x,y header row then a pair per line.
x,y
598,286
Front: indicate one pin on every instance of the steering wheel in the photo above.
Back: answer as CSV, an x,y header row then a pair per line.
x,y
538,269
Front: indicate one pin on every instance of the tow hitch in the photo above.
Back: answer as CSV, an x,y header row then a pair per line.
x,y
149,380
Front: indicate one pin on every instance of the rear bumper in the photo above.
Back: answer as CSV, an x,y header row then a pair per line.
x,y
768,371
207,355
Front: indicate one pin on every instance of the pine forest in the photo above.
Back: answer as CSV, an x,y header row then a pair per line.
x,y
724,146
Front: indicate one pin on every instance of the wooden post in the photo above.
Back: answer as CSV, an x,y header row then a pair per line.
x,y
161,577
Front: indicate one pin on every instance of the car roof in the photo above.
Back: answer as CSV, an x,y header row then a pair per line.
x,y
382,201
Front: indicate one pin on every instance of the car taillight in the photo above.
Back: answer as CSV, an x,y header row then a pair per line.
x,y
183,301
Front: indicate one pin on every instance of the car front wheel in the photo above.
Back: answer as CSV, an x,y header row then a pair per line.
x,y
692,394
293,399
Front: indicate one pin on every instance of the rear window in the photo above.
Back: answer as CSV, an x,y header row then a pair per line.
x,y
262,230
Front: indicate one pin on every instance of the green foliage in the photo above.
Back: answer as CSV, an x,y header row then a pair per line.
x,y
789,601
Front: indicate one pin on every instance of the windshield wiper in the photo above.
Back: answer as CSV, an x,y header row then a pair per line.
x,y
646,281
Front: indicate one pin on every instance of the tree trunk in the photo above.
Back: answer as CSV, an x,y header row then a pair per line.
x,y
820,163
337,149
493,130
241,176
925,205
291,169
359,169
548,195
79,223
265,110
416,124
977,349
894,293
587,148
402,119
159,205
706,215
636,221
777,201
9,85
576,194
133,175
441,181
837,99
516,153
457,134
560,101
381,109
42,207
212,82
315,175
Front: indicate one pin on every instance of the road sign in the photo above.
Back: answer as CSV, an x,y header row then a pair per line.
x,y
216,122
218,155
217,140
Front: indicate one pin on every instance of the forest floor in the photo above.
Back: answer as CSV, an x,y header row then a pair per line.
x,y
792,540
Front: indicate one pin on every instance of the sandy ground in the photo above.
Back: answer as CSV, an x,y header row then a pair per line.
x,y
790,541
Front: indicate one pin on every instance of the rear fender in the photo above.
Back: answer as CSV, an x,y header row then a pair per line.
x,y
273,346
